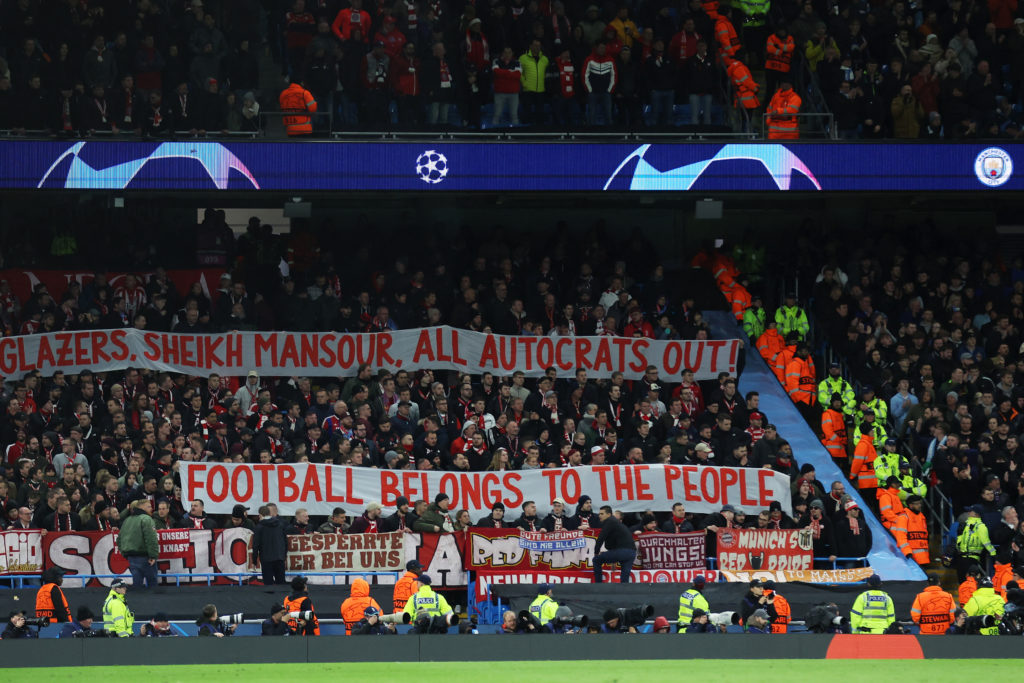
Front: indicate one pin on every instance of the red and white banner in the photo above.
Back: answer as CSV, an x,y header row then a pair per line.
x,y
486,578
854,575
765,549
20,552
631,488
228,551
672,551
501,550
323,354
24,281
346,552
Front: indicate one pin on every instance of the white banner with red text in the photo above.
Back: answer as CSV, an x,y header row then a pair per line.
x,y
346,552
333,354
854,575
320,488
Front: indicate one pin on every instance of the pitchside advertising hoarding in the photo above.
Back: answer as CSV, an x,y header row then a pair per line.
x,y
509,166
330,354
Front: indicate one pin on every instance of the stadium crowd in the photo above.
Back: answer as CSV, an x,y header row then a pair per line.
x,y
903,70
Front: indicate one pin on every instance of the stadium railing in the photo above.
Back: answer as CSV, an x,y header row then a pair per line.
x,y
239,578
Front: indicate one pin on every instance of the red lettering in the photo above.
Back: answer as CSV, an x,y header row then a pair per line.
x,y
602,472
643,489
571,494
639,348
456,358
233,359
81,352
694,362
99,351
388,488
510,483
716,345
209,346
545,352
265,344
194,482
439,334
529,343
623,483
423,348
409,485
689,487
383,357
551,475
218,478
311,485
583,346
672,358
45,355
264,472
450,485
672,473
745,500
560,355
764,491
470,484
329,486
289,355
238,473
349,493
64,350
489,354
729,478
287,491
709,486
508,362
327,358
118,339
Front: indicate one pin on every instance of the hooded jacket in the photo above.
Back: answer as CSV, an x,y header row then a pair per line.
x,y
353,607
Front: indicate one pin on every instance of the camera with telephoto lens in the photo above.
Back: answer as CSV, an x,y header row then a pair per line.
x,y
528,622
229,619
973,625
429,624
93,633
634,616
38,623
305,615
396,618
577,621
825,618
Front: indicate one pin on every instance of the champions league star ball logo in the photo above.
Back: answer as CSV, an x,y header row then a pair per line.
x,y
432,167
777,160
993,167
215,160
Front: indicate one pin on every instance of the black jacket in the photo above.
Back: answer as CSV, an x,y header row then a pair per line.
x,y
614,536
849,545
269,543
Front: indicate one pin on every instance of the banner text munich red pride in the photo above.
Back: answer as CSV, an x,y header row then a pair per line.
x,y
630,488
324,354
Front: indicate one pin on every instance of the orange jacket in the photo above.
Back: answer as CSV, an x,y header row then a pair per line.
x,y
728,41
354,606
294,603
862,470
744,85
779,53
780,624
738,297
404,587
966,590
782,124
911,532
782,361
933,611
769,345
1004,574
833,430
800,380
723,268
889,506
54,610
298,102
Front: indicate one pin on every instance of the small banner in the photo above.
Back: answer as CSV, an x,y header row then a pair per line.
x,y
811,576
672,551
765,549
346,552
540,541
175,544
21,552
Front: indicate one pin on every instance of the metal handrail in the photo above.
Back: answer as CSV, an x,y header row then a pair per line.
x,y
827,127
242,577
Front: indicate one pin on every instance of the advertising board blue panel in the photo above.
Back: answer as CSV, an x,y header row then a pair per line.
x,y
509,166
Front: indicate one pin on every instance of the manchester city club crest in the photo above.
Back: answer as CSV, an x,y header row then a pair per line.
x,y
993,167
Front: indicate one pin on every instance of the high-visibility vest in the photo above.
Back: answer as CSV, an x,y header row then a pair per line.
x,y
966,590
973,539
353,610
881,434
911,486
873,612
876,405
780,624
933,611
779,53
837,385
690,600
889,506
754,320
985,601
116,615
544,608
728,41
769,344
298,103
833,429
782,122
1002,576
886,465
425,599
404,587
862,470
45,609
800,380
745,86
911,532
792,319
781,361
293,605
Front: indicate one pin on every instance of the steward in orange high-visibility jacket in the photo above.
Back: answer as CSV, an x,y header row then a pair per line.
x,y
800,377
725,35
833,429
862,470
933,609
889,503
744,85
911,531
297,103
782,110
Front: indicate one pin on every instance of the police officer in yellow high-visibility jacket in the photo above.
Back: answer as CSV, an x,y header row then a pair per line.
x,y
116,615
873,610
972,541
986,601
426,600
791,318
543,606
690,600
835,384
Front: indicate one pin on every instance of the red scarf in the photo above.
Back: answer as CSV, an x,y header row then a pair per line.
x,y
371,526
854,526
815,528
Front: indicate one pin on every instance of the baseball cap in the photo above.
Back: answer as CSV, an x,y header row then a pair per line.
x,y
834,364
874,580
660,622
700,579
703,448
890,441
119,583
761,614
425,579
239,510
756,416
371,611
728,508
253,373
754,583
543,588
274,609
413,565
558,500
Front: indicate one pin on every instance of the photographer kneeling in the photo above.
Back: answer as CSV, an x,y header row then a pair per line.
x,y
82,626
277,624
211,625
371,624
